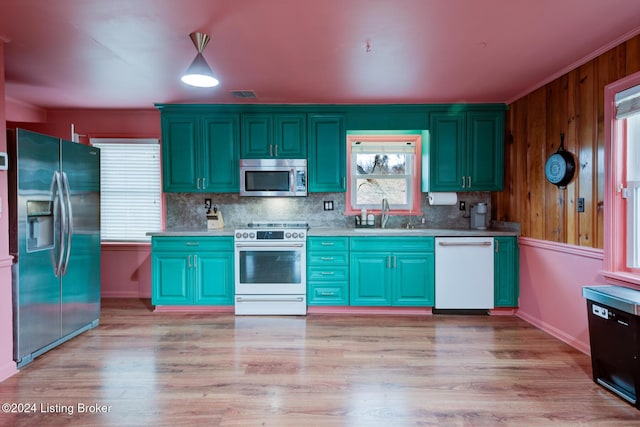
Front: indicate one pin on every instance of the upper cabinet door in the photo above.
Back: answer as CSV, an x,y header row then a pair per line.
x,y
180,169
221,149
257,136
447,152
266,136
290,139
485,134
327,153
466,151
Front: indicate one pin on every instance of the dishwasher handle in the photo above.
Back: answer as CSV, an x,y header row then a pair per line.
x,y
464,243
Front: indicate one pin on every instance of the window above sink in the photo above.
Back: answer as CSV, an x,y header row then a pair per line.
x,y
384,166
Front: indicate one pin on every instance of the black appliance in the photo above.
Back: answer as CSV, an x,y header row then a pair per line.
x,y
614,335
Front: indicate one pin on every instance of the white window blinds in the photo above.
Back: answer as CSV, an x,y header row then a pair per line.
x,y
129,188
627,102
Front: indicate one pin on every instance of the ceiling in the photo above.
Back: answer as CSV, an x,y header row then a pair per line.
x,y
131,53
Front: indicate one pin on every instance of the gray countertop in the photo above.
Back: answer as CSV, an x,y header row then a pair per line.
x,y
350,231
429,232
177,232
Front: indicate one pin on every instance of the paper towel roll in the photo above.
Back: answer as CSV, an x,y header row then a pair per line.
x,y
436,199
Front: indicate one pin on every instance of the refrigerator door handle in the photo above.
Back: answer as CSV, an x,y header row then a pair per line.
x,y
69,235
63,222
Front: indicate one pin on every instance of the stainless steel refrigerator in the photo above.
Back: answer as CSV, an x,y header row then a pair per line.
x,y
54,237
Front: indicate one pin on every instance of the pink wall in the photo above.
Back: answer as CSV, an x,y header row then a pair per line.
x,y
126,271
7,365
17,111
551,279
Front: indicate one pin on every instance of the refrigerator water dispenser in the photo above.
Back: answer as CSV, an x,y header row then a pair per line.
x,y
40,225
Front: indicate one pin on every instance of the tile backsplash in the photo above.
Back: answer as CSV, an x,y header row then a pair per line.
x,y
187,210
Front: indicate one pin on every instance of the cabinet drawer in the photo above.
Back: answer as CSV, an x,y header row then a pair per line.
x,y
328,258
328,273
392,244
162,243
328,294
328,243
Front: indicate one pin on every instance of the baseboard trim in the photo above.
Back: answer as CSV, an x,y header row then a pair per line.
x,y
194,309
395,311
555,332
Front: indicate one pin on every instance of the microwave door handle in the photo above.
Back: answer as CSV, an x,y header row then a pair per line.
x,y
292,180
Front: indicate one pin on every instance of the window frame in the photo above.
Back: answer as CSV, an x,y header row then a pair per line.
x,y
416,181
102,140
615,215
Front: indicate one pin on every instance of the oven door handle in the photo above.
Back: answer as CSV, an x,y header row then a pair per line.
x,y
270,245
258,299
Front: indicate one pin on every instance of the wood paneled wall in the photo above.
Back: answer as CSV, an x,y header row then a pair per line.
x,y
573,104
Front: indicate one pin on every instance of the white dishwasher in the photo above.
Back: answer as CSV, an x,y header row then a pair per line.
x,y
464,273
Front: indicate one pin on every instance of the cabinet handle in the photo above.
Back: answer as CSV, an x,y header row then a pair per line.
x,y
189,261
327,293
195,261
270,150
193,243
327,273
198,183
469,181
497,242
326,244
395,264
326,258
276,150
388,261
463,182
204,183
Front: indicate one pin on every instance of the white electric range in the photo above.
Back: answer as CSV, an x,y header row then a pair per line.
x,y
271,268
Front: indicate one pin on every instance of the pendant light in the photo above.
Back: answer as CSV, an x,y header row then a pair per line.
x,y
199,73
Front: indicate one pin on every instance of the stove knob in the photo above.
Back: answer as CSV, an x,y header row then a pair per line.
x,y
245,235
301,235
294,235
287,235
238,235
252,235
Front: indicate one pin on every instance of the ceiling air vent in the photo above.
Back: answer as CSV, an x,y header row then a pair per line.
x,y
243,93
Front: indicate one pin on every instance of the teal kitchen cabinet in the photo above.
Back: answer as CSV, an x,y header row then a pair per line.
x,y
328,270
466,151
200,152
392,271
506,272
327,141
192,271
279,135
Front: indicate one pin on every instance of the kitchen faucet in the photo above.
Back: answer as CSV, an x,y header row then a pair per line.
x,y
384,213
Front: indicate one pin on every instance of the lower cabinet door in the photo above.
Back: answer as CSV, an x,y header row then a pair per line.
x,y
506,272
369,279
214,278
172,278
414,279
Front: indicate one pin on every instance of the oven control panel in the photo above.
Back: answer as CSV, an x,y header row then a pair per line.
x,y
271,235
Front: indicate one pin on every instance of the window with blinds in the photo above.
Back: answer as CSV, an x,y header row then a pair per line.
x,y
130,191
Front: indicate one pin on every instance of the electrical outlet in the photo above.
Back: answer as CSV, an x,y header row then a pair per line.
x,y
580,204
328,205
463,205
207,203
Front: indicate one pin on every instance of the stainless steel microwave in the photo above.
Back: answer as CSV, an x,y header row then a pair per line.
x,y
273,177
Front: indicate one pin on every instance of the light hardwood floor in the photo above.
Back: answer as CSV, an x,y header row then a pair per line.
x,y
180,369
